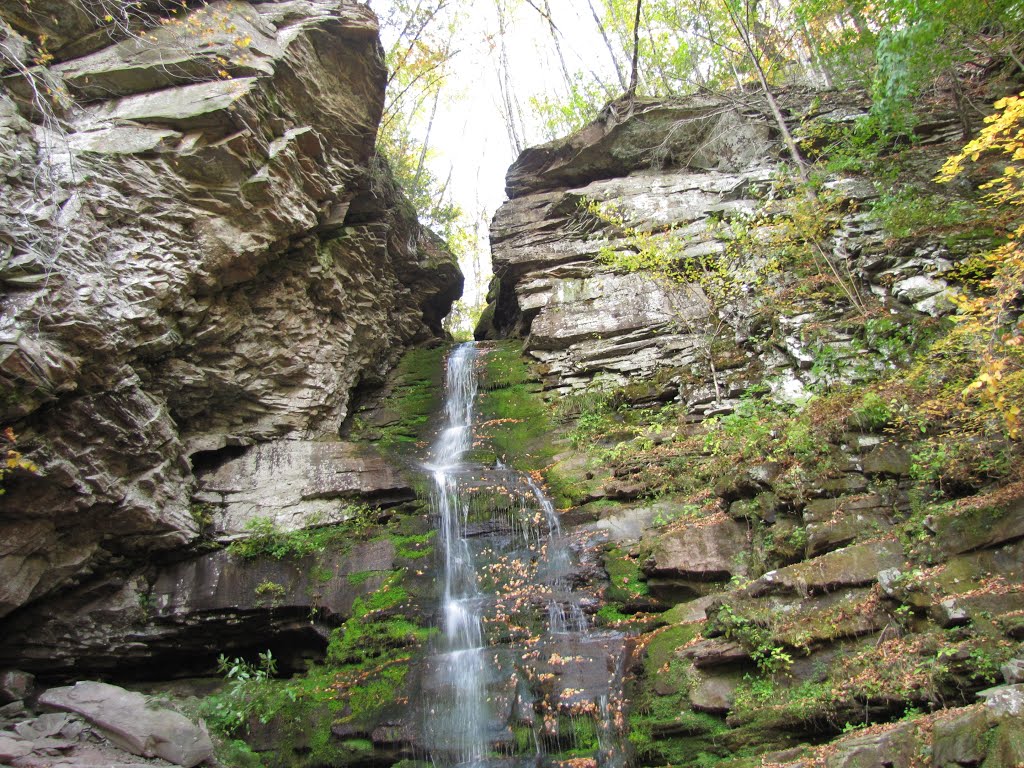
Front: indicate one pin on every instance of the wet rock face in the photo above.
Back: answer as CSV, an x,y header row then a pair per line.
x,y
193,263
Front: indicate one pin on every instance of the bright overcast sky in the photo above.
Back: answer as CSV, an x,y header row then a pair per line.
x,y
469,138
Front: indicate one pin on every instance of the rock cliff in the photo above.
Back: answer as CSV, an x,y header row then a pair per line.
x,y
809,524
684,173
202,258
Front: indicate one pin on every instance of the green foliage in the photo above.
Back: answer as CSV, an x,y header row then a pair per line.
x,y
364,673
202,514
271,591
906,213
562,115
235,753
266,539
864,146
872,414
770,656
13,461
245,694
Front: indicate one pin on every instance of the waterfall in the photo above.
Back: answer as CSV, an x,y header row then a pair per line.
x,y
516,666
457,722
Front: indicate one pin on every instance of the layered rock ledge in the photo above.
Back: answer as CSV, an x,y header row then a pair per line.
x,y
202,258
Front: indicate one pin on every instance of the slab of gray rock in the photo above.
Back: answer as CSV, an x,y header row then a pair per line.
x,y
44,726
851,566
133,723
13,747
296,483
715,694
887,459
708,550
1013,671
1004,700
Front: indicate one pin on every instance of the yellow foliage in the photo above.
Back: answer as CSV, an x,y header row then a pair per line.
x,y
14,461
993,314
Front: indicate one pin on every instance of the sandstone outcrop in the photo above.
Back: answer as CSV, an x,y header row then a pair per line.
x,y
202,258
681,171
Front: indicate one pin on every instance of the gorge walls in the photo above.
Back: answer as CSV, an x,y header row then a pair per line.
x,y
202,259
686,176
766,418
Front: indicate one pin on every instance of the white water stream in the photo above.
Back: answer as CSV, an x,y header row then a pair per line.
x,y
473,692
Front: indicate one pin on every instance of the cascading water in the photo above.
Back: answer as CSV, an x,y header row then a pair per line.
x,y
516,673
457,722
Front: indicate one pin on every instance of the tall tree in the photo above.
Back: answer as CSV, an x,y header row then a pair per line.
x,y
634,72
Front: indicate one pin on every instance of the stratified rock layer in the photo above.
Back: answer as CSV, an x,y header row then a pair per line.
x,y
686,174
202,256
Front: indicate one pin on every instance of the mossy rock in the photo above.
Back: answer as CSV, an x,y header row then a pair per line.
x,y
513,420
399,420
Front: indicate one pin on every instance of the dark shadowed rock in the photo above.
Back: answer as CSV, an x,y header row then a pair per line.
x,y
195,610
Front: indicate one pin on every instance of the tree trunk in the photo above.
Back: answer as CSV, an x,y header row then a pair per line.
x,y
773,105
634,74
558,47
608,44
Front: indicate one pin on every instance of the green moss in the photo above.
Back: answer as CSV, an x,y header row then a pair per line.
x,y
363,677
626,578
515,421
1005,745
662,647
266,539
237,754
564,489
413,546
413,398
361,577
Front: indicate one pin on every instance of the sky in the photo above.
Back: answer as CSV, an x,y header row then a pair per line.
x,y
469,139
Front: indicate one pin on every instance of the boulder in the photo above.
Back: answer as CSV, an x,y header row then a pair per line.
x,y
133,722
15,685
715,652
1013,671
1004,701
887,459
708,550
968,528
897,746
959,738
714,694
